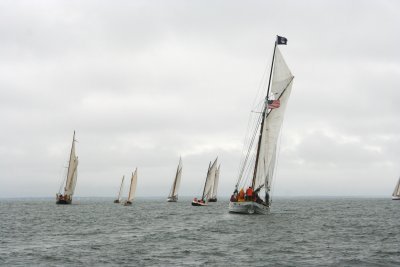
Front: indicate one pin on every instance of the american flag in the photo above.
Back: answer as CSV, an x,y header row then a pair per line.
x,y
274,104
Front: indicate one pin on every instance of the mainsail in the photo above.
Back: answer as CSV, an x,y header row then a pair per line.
x,y
215,185
72,172
177,181
396,192
132,189
272,121
208,185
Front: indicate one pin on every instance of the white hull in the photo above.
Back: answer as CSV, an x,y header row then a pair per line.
x,y
248,207
395,198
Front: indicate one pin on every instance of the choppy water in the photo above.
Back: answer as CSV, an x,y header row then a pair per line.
x,y
152,232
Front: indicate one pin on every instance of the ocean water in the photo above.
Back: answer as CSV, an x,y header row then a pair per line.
x,y
152,232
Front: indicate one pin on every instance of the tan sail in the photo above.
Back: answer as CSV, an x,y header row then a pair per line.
x,y
118,200
72,176
173,195
132,188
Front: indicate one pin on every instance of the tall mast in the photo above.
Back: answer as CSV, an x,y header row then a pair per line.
x,y
69,163
263,117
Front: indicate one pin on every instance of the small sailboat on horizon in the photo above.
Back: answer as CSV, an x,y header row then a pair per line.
x,y
258,163
173,195
70,180
396,192
207,185
132,189
118,200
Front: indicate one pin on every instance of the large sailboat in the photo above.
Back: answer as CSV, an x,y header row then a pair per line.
x,y
396,192
207,186
173,194
70,181
132,189
118,200
260,152
214,190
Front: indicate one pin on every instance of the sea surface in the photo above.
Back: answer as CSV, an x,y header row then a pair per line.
x,y
152,232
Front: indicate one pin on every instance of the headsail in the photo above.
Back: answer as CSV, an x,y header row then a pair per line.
x,y
132,189
72,172
209,181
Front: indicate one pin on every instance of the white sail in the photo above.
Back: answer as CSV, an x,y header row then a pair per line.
x,y
396,192
132,189
209,181
281,88
120,188
72,173
215,185
177,181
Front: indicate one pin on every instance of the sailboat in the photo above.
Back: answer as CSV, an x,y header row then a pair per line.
x,y
132,189
215,186
118,200
207,186
258,163
396,192
70,181
173,194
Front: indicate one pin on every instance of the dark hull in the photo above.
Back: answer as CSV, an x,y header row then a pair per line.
x,y
117,201
63,202
128,203
196,203
213,200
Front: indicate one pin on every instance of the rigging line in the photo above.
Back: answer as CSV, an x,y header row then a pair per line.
x,y
246,142
248,170
249,150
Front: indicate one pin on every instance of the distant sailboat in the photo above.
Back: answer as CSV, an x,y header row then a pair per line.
x,y
396,192
258,164
215,186
72,175
118,200
207,185
132,189
173,195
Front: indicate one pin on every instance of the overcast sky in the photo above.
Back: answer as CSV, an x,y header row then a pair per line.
x,y
143,82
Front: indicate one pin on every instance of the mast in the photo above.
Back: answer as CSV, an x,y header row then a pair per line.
x,y
263,118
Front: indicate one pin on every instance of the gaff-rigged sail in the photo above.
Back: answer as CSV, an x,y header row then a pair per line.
x,y
209,181
132,188
280,89
177,181
396,192
215,185
120,188
72,173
